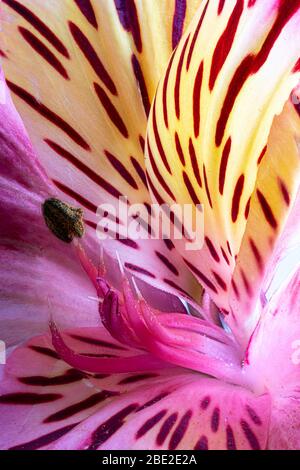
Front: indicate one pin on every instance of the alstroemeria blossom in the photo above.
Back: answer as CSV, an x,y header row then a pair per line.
x,y
123,366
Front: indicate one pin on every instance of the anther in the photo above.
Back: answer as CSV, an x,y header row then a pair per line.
x,y
64,221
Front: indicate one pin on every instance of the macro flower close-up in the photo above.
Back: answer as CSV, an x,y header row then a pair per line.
x,y
149,236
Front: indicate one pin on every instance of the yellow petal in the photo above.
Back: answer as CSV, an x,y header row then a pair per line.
x,y
232,72
82,74
271,203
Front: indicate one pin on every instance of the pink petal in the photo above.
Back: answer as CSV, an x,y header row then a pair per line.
x,y
41,397
287,252
178,413
274,359
38,282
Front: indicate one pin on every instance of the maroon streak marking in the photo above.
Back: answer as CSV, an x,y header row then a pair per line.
x,y
166,429
46,439
212,249
235,289
150,423
195,37
112,112
120,168
139,170
178,79
167,263
39,25
158,141
74,195
23,398
176,286
82,167
215,420
246,283
70,376
247,208
257,255
48,114
197,98
45,351
179,149
178,21
220,281
268,213
241,74
202,444
137,378
92,57
223,166
207,187
230,440
252,413
87,10
83,405
225,256
225,42
205,403
250,436
153,401
110,426
194,162
138,73
190,189
235,208
97,342
201,276
44,52
165,91
180,430
138,269
284,192
158,175
221,6
262,154
129,20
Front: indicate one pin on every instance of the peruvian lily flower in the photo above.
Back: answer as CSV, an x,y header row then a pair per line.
x,y
85,77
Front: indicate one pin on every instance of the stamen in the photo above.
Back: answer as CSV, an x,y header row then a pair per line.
x,y
102,284
136,288
185,305
101,266
86,263
96,299
106,366
121,267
